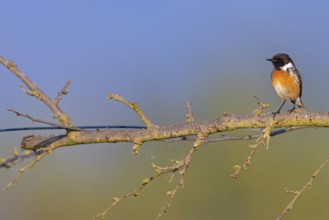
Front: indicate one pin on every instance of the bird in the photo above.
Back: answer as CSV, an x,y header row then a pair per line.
x,y
286,81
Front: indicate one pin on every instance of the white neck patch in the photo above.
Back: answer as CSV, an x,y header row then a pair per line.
x,y
288,67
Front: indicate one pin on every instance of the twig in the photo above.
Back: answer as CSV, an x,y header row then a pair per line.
x,y
21,171
136,147
117,200
44,121
18,157
262,139
134,106
63,92
267,133
261,106
298,193
33,90
184,165
189,113
159,171
196,146
171,194
238,168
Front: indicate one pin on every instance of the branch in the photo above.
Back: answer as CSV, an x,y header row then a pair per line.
x,y
298,193
196,146
189,113
159,171
224,137
254,147
33,90
43,121
18,157
223,124
63,92
134,106
38,156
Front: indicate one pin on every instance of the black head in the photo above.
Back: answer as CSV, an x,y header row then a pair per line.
x,y
280,59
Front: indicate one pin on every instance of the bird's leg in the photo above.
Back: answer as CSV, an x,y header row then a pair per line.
x,y
278,111
293,108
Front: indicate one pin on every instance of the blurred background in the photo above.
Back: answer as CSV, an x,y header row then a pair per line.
x,y
162,54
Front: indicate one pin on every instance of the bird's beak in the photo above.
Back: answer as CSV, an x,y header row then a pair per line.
x,y
269,59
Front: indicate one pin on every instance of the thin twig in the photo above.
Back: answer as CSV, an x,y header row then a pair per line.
x,y
134,106
261,106
44,121
171,194
189,113
33,90
17,158
63,92
296,194
183,165
264,139
159,171
196,146
238,168
21,171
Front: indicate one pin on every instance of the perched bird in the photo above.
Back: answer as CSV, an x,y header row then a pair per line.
x,y
286,80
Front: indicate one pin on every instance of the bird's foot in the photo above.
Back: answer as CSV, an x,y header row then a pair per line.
x,y
292,110
275,113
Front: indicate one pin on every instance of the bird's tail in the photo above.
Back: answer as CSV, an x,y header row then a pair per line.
x,y
299,103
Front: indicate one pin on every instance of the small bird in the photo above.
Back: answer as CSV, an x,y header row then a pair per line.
x,y
286,80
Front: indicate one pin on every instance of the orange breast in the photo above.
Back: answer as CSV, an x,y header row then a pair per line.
x,y
286,85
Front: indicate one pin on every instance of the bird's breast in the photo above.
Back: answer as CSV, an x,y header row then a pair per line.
x,y
286,85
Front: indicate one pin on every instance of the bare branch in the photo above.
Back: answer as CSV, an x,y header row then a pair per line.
x,y
196,146
38,93
134,106
171,194
17,158
159,171
298,193
238,168
43,121
189,113
63,92
224,137
222,124
261,106
21,171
